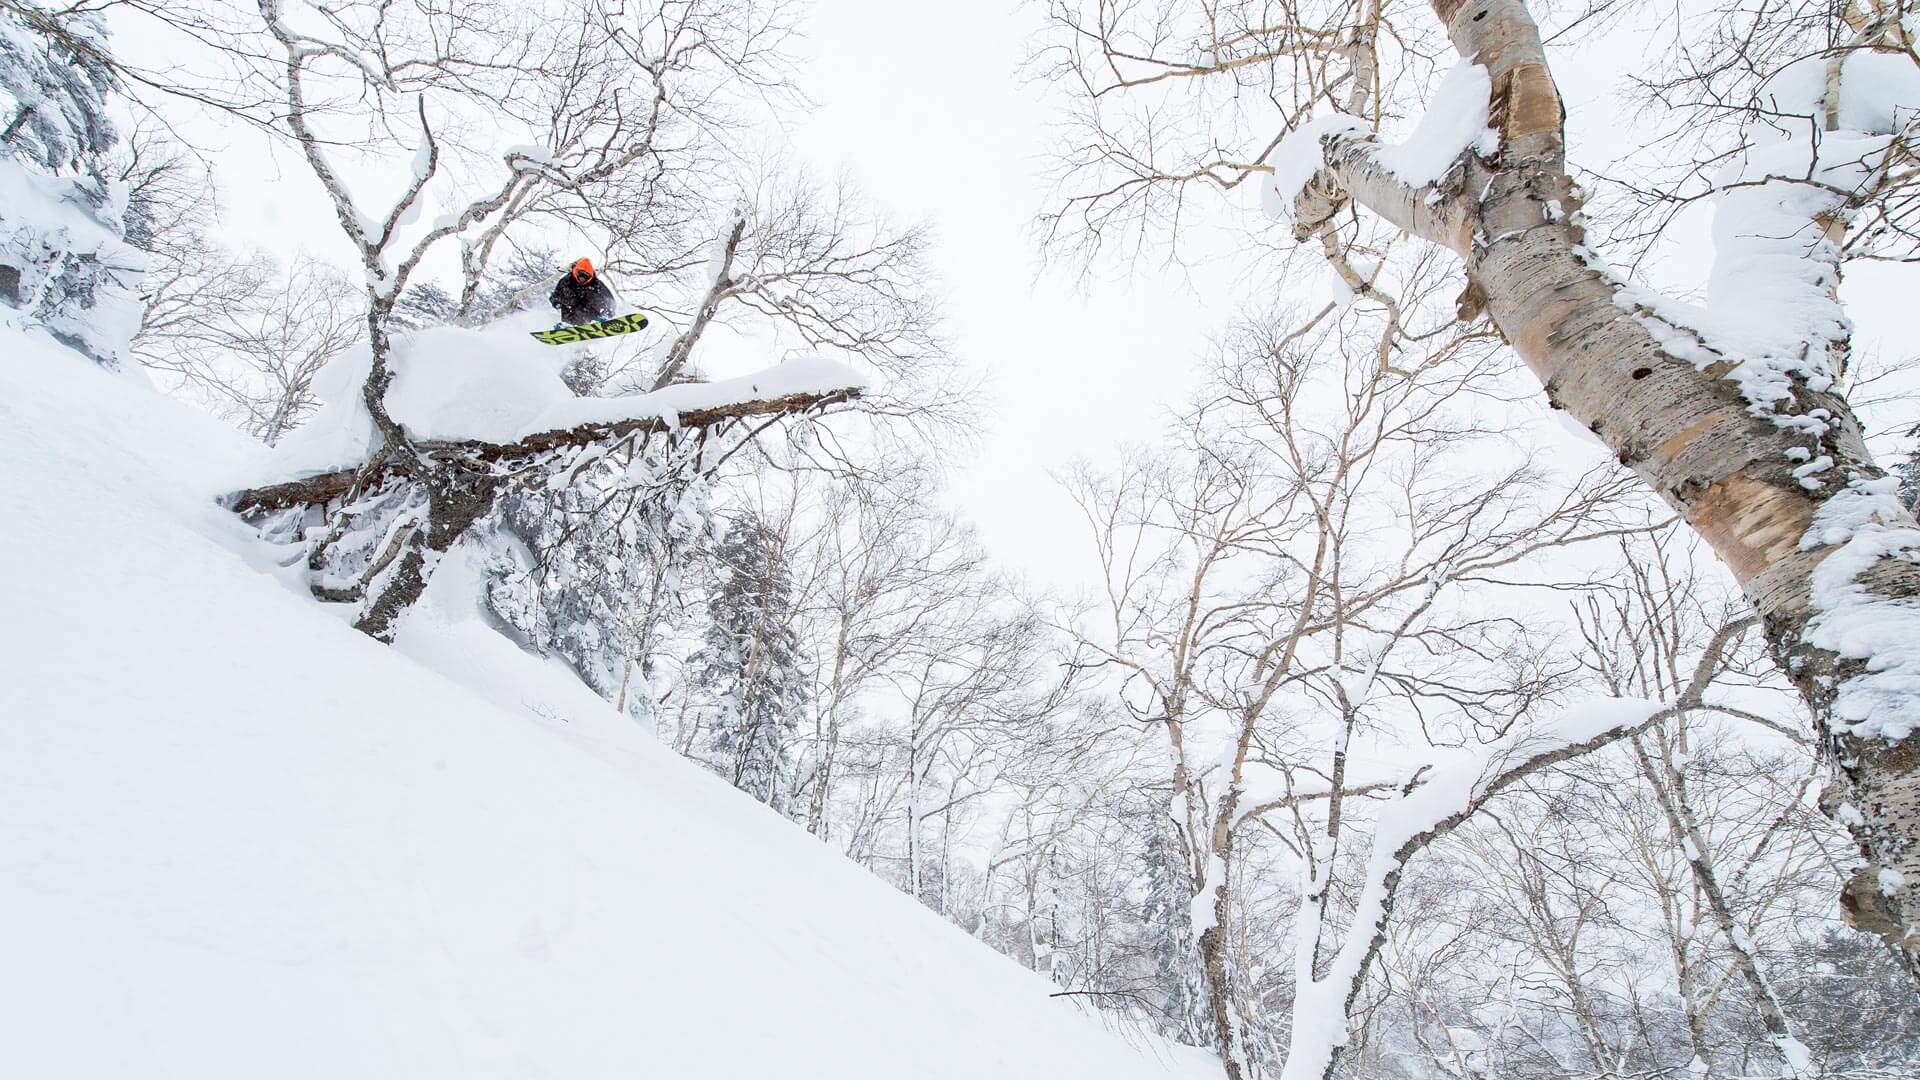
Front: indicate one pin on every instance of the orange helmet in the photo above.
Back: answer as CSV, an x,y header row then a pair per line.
x,y
583,270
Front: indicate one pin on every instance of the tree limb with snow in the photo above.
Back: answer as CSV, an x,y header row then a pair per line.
x,y
1433,803
1288,568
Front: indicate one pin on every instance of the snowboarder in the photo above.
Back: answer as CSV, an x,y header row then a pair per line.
x,y
581,296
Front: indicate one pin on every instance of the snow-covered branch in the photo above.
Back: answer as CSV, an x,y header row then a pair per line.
x,y
1433,803
647,415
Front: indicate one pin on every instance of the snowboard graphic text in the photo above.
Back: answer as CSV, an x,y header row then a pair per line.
x,y
567,335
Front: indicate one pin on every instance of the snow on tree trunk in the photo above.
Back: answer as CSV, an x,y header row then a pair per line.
x,y
1735,426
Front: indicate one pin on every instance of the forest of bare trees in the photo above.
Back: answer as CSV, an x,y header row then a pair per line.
x,y
1494,778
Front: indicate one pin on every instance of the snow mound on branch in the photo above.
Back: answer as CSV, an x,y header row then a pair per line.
x,y
1455,121
1878,92
1770,300
497,384
448,382
1299,158
240,840
1771,304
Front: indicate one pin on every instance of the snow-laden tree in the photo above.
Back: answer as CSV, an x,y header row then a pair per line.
x,y
1796,120
64,264
496,129
1167,916
57,79
593,572
1304,568
749,670
1370,901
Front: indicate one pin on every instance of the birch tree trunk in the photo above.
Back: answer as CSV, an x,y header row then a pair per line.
x,y
1688,431
1215,965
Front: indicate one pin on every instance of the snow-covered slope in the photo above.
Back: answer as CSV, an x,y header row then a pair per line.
x,y
239,840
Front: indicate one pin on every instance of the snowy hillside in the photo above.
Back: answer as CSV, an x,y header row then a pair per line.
x,y
238,839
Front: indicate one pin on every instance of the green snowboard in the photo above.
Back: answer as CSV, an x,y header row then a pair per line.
x,y
567,335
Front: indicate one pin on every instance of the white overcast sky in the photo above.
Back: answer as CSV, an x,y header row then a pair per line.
x,y
922,104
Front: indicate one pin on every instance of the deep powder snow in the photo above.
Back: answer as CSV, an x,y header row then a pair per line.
x,y
238,839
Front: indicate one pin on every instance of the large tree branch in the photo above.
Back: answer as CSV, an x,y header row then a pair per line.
x,y
325,487
1432,805
717,291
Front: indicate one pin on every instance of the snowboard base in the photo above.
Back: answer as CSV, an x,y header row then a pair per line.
x,y
568,335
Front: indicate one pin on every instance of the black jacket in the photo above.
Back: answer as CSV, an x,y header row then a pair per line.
x,y
579,303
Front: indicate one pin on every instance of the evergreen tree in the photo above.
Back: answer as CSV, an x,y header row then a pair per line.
x,y
749,665
1167,915
64,264
1908,469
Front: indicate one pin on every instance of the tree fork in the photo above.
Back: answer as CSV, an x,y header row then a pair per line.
x,y
456,500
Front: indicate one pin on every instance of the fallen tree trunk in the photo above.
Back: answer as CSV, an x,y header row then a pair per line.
x,y
326,487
